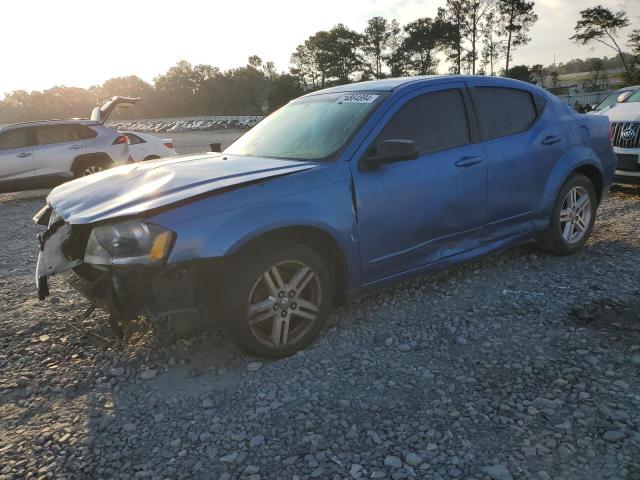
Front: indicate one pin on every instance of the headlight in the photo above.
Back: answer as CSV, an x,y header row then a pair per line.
x,y
126,243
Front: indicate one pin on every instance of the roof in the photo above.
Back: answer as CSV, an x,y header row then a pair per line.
x,y
40,123
393,84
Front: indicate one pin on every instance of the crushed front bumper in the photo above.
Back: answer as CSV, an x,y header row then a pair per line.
x,y
182,294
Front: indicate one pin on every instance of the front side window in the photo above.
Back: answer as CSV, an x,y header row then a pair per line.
x,y
56,134
435,121
18,138
503,111
310,128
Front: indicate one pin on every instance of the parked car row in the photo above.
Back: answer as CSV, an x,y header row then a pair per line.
x,y
162,126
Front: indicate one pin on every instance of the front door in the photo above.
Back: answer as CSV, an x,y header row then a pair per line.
x,y
57,146
16,159
414,212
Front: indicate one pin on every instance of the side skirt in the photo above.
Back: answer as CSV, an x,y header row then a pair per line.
x,y
443,264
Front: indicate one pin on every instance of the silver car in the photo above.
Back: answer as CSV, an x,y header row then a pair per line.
x,y
45,153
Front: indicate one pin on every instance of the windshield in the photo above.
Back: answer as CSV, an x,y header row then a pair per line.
x,y
609,100
635,97
310,128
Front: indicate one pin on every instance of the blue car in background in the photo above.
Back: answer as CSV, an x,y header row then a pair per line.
x,y
338,192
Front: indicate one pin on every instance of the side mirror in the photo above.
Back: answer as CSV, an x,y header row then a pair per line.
x,y
216,147
389,151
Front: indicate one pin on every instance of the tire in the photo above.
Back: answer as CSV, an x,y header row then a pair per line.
x,y
569,215
151,157
283,320
90,166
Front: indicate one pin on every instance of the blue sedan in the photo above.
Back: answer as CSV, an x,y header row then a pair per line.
x,y
340,191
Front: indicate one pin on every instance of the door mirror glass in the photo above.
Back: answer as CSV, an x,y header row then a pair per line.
x,y
388,151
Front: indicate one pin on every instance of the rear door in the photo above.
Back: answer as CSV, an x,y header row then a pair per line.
x,y
138,147
523,141
57,147
411,213
16,156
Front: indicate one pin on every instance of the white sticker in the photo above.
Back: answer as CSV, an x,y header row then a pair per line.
x,y
357,98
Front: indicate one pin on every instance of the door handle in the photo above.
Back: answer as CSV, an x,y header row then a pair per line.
x,y
75,147
550,139
468,161
24,154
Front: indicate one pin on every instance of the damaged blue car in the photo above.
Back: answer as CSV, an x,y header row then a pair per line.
x,y
338,192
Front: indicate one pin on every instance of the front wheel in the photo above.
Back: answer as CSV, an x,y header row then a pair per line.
x,y
573,217
278,300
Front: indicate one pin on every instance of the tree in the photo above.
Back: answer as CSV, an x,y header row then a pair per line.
x,y
602,25
454,16
555,78
516,17
493,48
340,52
395,58
595,70
539,70
476,11
423,39
309,62
634,43
520,72
374,43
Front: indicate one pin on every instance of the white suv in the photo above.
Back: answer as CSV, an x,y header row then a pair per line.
x,y
624,131
46,153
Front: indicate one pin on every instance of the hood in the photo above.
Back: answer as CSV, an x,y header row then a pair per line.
x,y
139,187
623,112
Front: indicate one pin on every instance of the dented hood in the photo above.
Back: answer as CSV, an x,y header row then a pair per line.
x,y
139,187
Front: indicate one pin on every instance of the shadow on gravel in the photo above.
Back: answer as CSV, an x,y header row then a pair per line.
x,y
618,319
631,190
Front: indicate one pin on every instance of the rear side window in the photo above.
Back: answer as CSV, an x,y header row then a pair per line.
x,y
18,138
434,121
134,139
504,111
84,132
56,134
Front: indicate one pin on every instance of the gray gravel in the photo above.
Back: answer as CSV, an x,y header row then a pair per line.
x,y
520,365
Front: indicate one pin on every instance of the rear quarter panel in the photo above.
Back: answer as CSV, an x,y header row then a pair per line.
x,y
587,145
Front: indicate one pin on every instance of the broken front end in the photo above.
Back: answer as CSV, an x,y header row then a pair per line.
x,y
121,267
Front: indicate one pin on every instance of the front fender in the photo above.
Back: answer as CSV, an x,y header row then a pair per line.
x,y
572,160
328,208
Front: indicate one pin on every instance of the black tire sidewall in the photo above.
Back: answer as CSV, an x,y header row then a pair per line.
x,y
245,271
561,245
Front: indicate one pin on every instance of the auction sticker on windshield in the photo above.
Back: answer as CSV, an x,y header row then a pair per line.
x,y
357,98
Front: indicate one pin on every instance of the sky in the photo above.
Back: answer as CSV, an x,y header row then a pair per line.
x,y
82,43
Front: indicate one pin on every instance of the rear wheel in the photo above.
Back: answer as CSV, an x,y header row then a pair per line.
x,y
90,166
573,217
278,301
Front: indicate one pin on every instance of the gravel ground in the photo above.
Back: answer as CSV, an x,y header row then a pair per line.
x,y
520,365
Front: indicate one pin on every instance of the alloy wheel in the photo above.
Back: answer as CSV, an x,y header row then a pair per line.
x,y
575,214
284,303
90,170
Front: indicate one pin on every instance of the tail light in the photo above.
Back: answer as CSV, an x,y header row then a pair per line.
x,y
168,145
120,139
